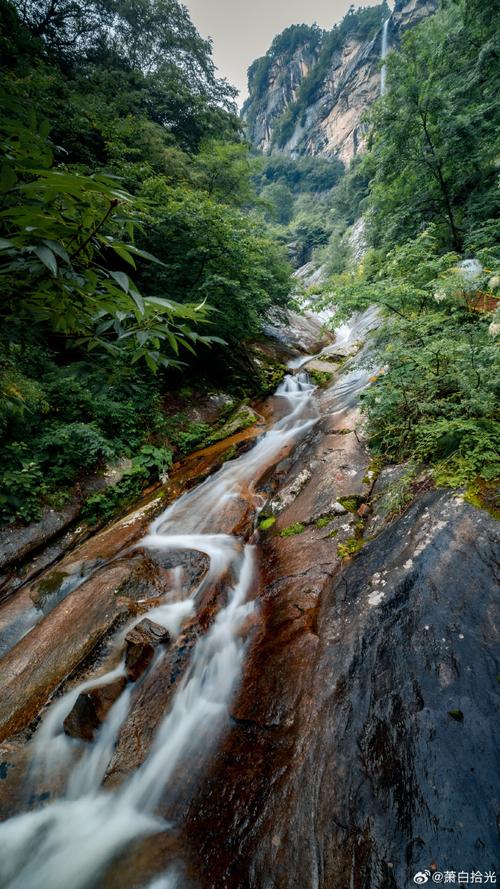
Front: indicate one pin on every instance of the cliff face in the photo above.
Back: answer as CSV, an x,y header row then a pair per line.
x,y
341,85
284,79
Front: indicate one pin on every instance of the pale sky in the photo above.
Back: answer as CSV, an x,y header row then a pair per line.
x,y
242,30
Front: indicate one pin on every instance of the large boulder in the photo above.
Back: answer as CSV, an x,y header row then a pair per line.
x,y
305,332
371,753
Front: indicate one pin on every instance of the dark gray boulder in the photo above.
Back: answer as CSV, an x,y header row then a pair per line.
x,y
389,763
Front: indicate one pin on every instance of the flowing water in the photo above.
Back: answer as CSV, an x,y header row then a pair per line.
x,y
383,56
69,842
72,841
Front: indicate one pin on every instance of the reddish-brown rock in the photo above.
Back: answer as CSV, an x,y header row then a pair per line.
x,y
91,709
141,642
51,651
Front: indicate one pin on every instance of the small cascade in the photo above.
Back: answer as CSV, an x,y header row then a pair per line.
x,y
383,55
72,840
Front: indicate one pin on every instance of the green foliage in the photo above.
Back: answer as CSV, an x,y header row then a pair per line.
x,y
436,397
302,174
104,506
134,145
155,461
57,427
57,251
283,47
20,491
435,136
213,252
295,195
150,464
321,378
223,170
183,434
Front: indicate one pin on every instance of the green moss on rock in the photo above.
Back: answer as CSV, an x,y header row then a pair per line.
x,y
321,378
229,454
351,503
266,522
324,520
292,530
241,419
350,547
48,586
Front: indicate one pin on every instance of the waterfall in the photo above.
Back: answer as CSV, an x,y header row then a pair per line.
x,y
383,55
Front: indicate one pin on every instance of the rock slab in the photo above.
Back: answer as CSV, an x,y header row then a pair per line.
x,y
387,762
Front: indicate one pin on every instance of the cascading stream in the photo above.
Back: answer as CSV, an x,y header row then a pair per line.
x,y
71,841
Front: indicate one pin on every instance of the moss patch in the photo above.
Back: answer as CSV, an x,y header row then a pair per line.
x,y
324,520
350,547
374,470
457,715
484,496
292,530
267,522
49,585
321,378
351,503
229,454
242,419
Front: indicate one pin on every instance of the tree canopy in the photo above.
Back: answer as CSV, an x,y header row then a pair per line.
x,y
130,234
428,193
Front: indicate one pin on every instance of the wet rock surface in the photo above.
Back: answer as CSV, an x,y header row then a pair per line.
x,y
91,709
303,332
141,643
54,648
346,765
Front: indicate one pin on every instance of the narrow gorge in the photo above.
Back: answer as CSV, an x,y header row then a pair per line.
x,y
249,419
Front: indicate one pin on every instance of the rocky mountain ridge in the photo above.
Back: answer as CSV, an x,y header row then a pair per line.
x,y
287,115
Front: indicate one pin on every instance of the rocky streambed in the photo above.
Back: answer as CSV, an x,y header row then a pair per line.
x,y
280,682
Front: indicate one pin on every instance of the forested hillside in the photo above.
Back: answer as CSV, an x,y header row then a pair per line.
x,y
427,192
140,234
130,239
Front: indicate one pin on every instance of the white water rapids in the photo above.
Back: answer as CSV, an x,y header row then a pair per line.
x,y
72,841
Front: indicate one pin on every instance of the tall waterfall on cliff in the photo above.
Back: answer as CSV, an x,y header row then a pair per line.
x,y
383,75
